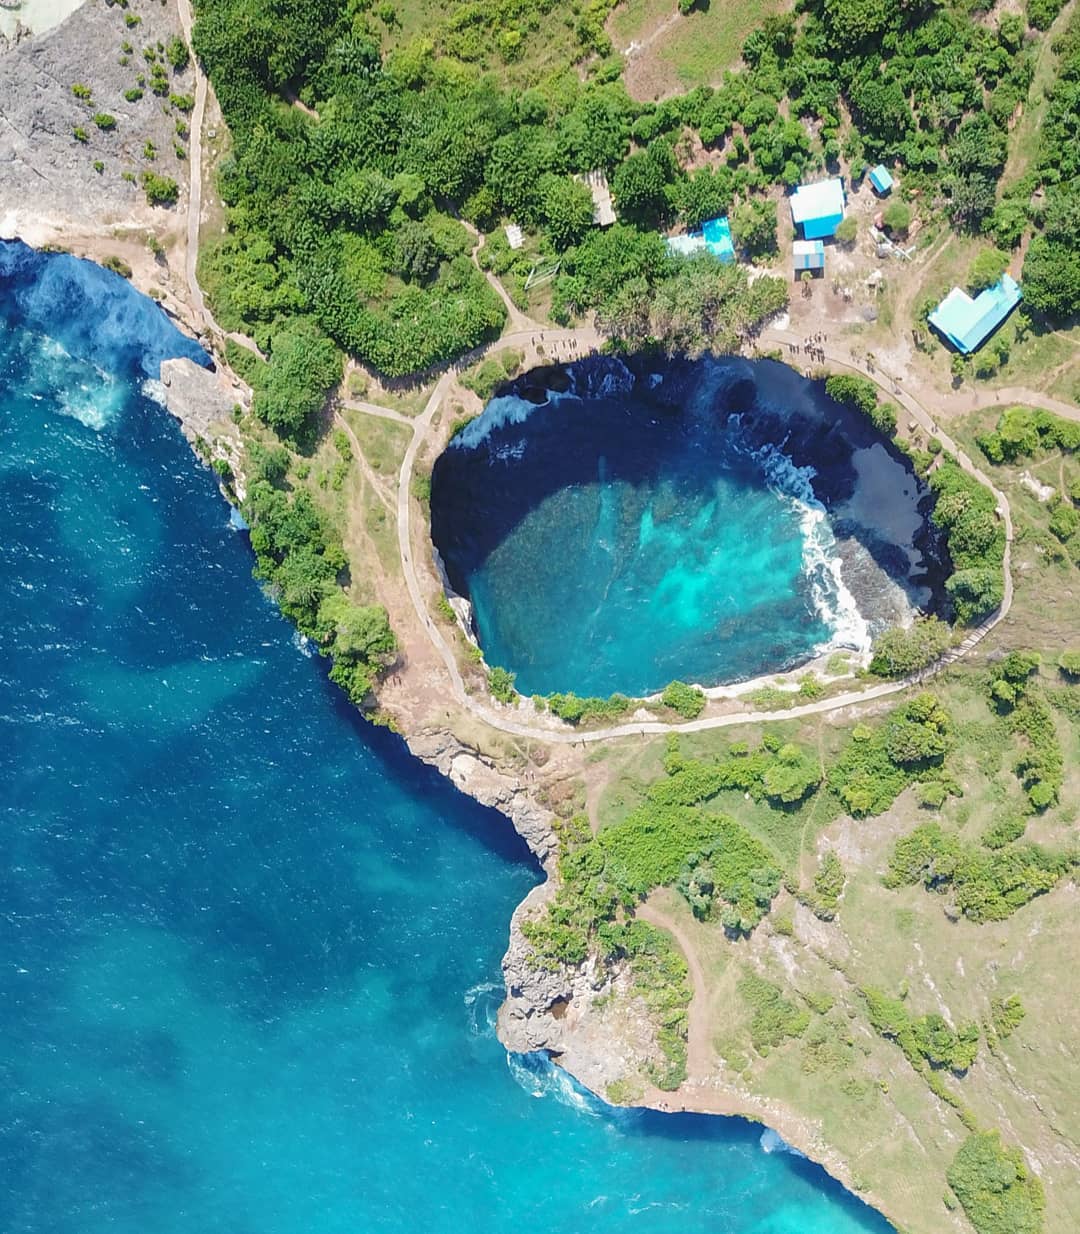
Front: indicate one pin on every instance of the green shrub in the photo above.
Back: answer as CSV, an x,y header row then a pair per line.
x,y
99,166
182,102
81,92
774,1019
988,266
897,216
1069,664
686,701
501,685
879,762
1024,432
575,710
899,651
966,513
997,1191
80,134
133,95
862,394
986,885
1006,1014
160,190
117,265
293,386
177,54
848,229
104,121
1004,831
926,1039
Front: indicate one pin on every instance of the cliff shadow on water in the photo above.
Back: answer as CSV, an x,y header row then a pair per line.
x,y
93,313
620,524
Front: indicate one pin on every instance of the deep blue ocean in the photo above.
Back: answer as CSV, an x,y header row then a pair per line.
x,y
250,948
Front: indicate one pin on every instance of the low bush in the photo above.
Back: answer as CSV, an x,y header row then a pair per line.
x,y
824,897
997,1191
966,513
501,684
900,650
775,1018
575,710
1014,692
862,394
986,885
1069,664
880,761
924,1040
160,190
686,701
1024,432
1006,1014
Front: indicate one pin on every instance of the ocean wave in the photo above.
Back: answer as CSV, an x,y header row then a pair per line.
x,y
506,409
303,644
772,1142
482,1007
537,1075
154,390
822,566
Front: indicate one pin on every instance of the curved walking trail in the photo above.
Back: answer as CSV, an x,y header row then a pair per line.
x,y
578,343
544,730
698,1050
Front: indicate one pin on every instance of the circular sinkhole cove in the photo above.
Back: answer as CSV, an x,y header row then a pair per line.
x,y
616,525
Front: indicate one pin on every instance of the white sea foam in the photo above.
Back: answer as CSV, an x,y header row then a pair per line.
x,y
537,1075
155,391
772,1142
482,1007
822,566
506,409
303,644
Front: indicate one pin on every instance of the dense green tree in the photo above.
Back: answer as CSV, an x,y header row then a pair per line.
x,y
641,186
753,227
302,369
567,209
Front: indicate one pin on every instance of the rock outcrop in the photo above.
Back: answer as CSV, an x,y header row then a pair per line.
x,y
47,175
481,779
198,397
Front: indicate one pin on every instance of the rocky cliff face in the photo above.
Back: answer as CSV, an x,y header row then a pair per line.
x,y
587,1018
198,397
47,176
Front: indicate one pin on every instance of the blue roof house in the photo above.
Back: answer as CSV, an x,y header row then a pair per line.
x,y
818,208
881,180
808,255
717,233
966,323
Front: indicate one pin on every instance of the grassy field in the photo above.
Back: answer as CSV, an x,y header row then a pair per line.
x,y
856,1086
678,53
548,42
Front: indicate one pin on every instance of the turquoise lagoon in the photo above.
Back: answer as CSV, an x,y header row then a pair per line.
x,y
251,948
701,521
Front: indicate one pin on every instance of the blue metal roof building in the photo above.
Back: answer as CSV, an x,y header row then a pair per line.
x,y
808,255
966,323
717,233
818,208
881,180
